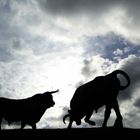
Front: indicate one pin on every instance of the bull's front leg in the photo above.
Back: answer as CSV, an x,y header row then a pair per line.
x,y
106,115
70,123
87,118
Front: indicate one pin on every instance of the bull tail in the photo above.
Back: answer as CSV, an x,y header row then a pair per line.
x,y
125,75
67,115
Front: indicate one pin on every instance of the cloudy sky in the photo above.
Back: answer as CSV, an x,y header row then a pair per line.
x,y
60,44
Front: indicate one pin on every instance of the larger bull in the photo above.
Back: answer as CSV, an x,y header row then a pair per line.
x,y
103,90
28,111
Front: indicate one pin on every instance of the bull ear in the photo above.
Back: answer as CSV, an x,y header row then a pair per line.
x,y
51,92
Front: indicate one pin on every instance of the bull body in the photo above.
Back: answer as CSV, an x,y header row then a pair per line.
x,y
28,111
102,90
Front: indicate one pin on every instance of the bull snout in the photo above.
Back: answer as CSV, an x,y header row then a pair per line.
x,y
53,103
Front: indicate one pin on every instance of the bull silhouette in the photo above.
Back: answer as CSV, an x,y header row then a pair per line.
x,y
103,90
28,111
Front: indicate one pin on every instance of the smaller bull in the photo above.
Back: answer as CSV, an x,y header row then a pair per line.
x,y
28,111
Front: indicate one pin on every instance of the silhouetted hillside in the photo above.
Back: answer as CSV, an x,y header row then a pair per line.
x,y
87,133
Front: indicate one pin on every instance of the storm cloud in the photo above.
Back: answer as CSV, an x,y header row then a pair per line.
x,y
110,15
96,6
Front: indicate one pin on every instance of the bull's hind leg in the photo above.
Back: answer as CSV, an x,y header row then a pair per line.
x,y
33,126
22,125
118,121
107,115
0,122
87,118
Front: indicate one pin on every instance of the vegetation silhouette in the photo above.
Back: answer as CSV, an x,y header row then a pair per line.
x,y
102,90
28,111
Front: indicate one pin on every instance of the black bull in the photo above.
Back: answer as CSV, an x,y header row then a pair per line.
x,y
28,111
103,90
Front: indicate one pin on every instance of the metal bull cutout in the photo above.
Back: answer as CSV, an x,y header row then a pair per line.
x,y
103,90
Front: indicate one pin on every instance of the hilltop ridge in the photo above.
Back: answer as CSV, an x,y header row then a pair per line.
x,y
88,133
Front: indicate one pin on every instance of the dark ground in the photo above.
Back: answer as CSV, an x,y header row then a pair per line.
x,y
86,133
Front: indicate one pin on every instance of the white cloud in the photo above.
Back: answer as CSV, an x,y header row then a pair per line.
x,y
118,52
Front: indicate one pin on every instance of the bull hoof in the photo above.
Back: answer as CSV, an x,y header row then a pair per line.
x,y
68,127
91,122
104,126
118,123
78,122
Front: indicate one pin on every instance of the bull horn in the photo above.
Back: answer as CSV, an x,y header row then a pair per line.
x,y
51,92
125,75
68,115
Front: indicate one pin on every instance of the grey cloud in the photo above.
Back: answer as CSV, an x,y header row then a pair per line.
x,y
76,6
93,6
95,66
137,103
79,84
132,7
86,71
5,55
13,49
131,66
131,119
